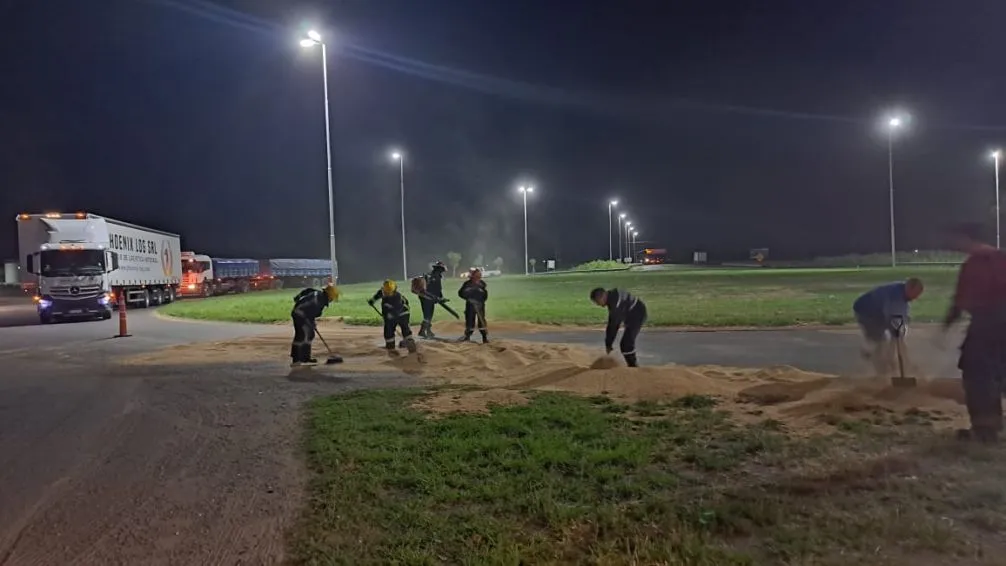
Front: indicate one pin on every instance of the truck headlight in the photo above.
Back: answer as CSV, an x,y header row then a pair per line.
x,y
105,299
43,303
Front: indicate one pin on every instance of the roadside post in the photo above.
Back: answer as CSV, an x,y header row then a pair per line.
x,y
122,316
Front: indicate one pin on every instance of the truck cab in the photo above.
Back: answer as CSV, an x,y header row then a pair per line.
x,y
78,265
70,263
197,272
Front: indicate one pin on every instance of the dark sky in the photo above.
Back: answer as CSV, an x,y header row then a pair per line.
x,y
206,119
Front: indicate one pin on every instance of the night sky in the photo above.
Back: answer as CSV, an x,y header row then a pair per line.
x,y
721,125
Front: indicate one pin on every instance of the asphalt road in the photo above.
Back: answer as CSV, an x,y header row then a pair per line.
x,y
20,330
834,351
109,464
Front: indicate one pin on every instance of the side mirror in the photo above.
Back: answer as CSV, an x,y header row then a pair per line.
x,y
30,263
113,261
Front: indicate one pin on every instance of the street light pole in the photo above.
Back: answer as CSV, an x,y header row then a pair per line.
x,y
401,184
524,191
628,231
995,155
620,217
314,38
611,204
893,124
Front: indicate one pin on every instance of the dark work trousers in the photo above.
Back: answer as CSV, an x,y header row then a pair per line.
x,y
402,323
983,370
303,335
475,312
428,306
633,324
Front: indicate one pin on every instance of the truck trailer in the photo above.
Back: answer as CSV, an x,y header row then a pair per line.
x,y
78,265
293,272
205,276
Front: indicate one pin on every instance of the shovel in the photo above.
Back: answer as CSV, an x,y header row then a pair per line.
x,y
333,358
900,381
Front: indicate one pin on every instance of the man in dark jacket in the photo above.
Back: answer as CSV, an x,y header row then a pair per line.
x,y
307,307
431,293
475,295
981,292
395,310
623,309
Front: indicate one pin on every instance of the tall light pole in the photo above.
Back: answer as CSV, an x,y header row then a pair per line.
x,y
524,191
628,230
893,124
620,218
314,38
635,234
397,156
611,204
995,156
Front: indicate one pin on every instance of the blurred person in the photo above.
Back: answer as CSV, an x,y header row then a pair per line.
x,y
981,292
475,293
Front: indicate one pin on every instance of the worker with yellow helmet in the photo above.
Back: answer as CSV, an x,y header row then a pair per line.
x,y
395,312
308,305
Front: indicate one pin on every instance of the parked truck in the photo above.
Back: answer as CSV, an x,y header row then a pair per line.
x,y
205,276
77,265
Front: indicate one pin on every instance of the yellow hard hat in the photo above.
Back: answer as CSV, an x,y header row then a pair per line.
x,y
332,292
389,287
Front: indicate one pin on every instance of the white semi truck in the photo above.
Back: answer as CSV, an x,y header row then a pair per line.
x,y
77,265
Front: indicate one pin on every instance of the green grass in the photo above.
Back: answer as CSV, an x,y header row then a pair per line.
x,y
568,480
674,297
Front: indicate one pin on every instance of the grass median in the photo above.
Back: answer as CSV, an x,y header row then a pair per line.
x,y
705,298
573,480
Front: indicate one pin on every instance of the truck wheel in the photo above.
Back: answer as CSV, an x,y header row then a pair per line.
x,y
277,284
45,319
145,303
316,282
169,295
156,298
107,315
243,287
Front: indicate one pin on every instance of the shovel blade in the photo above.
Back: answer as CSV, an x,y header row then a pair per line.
x,y
904,381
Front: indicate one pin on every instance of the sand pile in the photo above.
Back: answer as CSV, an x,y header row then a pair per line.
x,y
503,368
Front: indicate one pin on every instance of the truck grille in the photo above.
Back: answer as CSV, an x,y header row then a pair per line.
x,y
73,291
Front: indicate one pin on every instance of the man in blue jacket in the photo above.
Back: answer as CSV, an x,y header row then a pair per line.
x,y
884,311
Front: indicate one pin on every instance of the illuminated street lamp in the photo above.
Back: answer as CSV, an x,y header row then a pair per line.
x,y
995,157
894,123
397,156
635,234
314,38
611,204
524,191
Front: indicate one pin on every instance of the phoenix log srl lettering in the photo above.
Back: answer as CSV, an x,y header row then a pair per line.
x,y
122,243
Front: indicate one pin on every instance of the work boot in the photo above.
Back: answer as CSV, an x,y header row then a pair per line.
x,y
630,360
410,344
402,343
424,330
485,336
389,344
309,362
466,338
